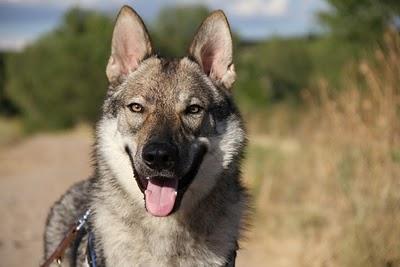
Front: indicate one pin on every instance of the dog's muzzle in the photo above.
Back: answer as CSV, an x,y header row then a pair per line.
x,y
163,193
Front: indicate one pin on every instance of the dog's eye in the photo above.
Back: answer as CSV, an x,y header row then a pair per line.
x,y
135,107
194,109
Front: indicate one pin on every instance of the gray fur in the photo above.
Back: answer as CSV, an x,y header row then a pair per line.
x,y
206,225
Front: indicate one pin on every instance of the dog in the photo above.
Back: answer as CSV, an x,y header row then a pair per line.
x,y
166,188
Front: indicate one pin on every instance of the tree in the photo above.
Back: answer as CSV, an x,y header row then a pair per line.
x,y
60,79
6,106
361,21
175,27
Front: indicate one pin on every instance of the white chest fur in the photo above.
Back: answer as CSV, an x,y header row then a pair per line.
x,y
155,242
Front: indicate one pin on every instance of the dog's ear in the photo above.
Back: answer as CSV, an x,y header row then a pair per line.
x,y
130,44
212,49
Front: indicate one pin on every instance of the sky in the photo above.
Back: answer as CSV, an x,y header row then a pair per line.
x,y
22,21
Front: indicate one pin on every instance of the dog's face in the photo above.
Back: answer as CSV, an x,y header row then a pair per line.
x,y
169,124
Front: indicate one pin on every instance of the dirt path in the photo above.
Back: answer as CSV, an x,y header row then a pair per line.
x,y
33,174
36,171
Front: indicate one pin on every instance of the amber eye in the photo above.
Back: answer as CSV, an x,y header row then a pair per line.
x,y
135,107
194,109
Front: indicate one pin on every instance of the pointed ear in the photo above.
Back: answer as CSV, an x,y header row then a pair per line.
x,y
130,44
212,49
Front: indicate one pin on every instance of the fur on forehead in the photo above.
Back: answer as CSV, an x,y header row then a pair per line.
x,y
165,76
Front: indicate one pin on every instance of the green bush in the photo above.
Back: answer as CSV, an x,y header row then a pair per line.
x,y
175,27
273,70
60,79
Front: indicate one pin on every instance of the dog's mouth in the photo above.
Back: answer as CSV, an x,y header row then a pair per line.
x,y
160,194
163,195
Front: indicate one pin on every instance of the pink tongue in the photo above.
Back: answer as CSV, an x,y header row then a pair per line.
x,y
160,196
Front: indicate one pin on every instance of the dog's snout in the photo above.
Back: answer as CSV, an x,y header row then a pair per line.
x,y
160,156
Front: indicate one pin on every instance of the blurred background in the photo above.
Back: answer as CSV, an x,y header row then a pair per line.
x,y
318,84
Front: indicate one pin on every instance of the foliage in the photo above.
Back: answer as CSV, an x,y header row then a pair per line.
x,y
360,21
60,79
174,28
272,71
7,108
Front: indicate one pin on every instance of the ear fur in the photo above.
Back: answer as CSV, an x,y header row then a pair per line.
x,y
130,45
212,49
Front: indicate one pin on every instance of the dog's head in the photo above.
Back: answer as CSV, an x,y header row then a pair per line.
x,y
169,124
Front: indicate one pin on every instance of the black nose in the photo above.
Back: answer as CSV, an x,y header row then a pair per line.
x,y
160,156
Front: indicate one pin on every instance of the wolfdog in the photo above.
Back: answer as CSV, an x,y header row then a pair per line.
x,y
166,188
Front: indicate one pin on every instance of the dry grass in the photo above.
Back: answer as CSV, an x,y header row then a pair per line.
x,y
10,131
332,185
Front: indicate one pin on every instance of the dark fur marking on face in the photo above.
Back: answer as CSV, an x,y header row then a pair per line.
x,y
129,153
193,59
112,105
189,177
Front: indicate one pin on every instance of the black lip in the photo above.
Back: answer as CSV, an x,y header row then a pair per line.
x,y
141,182
184,182
188,178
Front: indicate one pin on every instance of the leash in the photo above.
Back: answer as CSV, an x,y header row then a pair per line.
x,y
70,236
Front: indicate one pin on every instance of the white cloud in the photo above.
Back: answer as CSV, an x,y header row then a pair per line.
x,y
251,18
65,3
244,8
273,8
13,44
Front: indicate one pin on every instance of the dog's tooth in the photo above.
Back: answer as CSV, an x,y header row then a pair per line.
x,y
176,193
147,178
